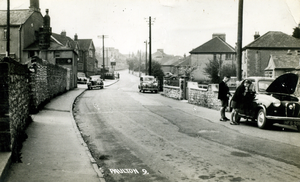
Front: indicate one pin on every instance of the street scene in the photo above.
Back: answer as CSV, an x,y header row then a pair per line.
x,y
171,140
149,90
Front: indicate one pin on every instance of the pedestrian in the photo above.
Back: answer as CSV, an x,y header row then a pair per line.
x,y
224,95
242,98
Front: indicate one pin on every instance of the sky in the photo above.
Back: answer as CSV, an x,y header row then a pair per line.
x,y
178,26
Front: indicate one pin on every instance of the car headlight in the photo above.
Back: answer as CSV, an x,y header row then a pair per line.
x,y
276,102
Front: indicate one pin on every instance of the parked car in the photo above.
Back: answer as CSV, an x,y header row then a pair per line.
x,y
81,78
273,102
95,82
170,76
148,83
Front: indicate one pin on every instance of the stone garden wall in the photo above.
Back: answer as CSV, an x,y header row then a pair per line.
x,y
196,96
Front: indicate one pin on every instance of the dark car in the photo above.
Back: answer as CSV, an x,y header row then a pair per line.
x,y
95,82
170,76
273,102
148,83
81,78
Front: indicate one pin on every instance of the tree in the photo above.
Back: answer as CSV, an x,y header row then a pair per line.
x,y
157,72
296,32
213,71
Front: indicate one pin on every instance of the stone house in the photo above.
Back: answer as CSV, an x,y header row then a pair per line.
x,y
215,49
87,61
60,50
256,55
24,26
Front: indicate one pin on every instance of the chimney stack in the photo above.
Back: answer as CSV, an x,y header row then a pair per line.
x,y
220,35
75,37
34,5
63,33
256,35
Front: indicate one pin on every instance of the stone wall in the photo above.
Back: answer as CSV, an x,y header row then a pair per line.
x,y
24,91
172,92
204,98
15,102
196,96
46,81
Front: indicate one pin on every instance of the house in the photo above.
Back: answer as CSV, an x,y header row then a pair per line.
x,y
215,49
24,28
166,61
62,50
281,63
183,65
256,55
87,61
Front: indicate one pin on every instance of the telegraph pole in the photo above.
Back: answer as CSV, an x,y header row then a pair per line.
x,y
146,58
239,41
103,70
8,29
150,42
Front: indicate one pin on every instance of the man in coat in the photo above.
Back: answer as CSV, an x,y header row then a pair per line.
x,y
224,95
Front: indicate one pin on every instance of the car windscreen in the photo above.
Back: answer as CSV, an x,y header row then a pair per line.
x,y
94,78
148,79
80,75
263,85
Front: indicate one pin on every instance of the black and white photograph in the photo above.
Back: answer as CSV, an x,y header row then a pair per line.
x,y
149,90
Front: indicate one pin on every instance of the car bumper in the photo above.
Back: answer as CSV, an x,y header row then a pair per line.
x,y
282,118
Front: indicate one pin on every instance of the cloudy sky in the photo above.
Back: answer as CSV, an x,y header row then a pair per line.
x,y
178,25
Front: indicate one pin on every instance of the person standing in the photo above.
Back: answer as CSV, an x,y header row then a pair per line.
x,y
241,100
224,95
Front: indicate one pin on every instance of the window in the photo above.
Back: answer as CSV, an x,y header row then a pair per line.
x,y
228,57
90,53
30,54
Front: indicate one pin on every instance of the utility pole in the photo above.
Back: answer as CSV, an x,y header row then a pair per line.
x,y
150,42
8,29
103,69
146,42
239,40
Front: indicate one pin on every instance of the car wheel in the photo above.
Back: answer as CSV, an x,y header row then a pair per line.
x,y
262,121
235,117
155,91
143,91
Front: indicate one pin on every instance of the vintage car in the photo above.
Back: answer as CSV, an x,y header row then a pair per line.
x,y
148,83
81,78
273,102
170,76
95,82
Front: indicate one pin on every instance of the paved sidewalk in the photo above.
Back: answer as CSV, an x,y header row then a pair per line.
x,y
54,149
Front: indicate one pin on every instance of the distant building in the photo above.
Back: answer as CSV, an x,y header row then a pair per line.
x,y
215,49
87,61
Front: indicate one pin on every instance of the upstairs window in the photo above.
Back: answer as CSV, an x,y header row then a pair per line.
x,y
228,57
